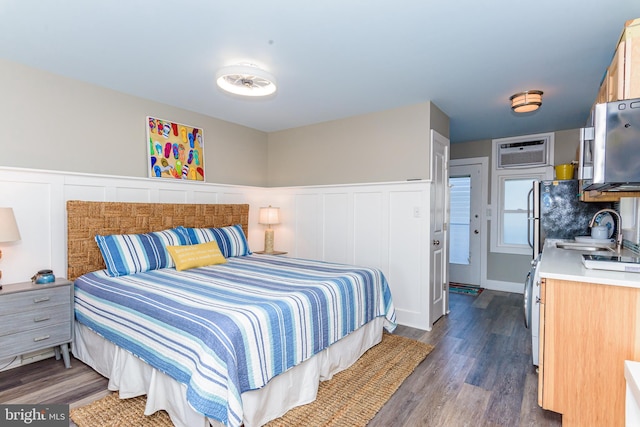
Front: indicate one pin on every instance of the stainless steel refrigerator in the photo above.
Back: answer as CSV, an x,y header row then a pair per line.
x,y
556,212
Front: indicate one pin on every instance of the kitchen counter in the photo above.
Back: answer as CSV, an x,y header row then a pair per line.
x,y
566,264
632,375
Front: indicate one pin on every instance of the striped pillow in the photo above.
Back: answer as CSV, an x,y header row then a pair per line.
x,y
231,240
135,253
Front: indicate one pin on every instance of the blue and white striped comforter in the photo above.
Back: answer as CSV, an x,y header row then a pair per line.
x,y
229,328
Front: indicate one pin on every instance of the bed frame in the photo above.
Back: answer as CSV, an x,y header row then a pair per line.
x,y
86,219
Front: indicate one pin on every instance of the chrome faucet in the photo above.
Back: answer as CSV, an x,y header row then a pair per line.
x,y
618,225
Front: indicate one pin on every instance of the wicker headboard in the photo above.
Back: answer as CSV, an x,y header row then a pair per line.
x,y
86,219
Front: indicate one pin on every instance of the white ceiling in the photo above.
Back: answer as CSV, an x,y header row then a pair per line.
x,y
334,58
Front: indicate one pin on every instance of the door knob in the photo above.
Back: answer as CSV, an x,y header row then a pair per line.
x,y
475,232
436,242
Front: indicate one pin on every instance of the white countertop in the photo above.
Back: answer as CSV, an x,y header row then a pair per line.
x,y
632,375
566,264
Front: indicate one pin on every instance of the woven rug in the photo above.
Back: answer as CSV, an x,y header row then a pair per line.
x,y
111,411
351,398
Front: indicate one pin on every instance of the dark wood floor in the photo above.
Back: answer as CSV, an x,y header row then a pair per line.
x,y
479,374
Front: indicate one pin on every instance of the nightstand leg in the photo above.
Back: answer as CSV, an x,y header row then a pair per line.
x,y
65,355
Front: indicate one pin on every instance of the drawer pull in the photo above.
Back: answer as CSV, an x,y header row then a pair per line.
x,y
43,299
41,319
42,338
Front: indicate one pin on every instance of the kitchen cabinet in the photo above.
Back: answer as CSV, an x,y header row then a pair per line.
x,y
615,75
587,331
603,91
622,77
621,81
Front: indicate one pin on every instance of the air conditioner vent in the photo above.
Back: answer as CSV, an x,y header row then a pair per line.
x,y
521,154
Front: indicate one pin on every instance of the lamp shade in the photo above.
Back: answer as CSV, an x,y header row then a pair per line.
x,y
525,102
269,216
8,226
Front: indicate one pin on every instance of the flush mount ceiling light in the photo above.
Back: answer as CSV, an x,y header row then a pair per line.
x,y
246,80
525,102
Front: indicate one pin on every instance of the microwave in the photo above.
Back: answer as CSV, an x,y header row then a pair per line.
x,y
610,147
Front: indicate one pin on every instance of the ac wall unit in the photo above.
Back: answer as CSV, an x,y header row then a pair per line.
x,y
523,154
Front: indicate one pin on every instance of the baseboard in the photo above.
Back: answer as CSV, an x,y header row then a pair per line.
x,y
25,359
497,285
412,319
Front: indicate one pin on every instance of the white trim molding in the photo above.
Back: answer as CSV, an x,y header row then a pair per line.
x,y
382,225
497,285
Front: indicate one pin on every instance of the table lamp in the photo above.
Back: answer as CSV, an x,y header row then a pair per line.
x,y
8,228
269,216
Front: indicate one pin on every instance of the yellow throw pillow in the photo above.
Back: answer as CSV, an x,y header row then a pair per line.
x,y
192,256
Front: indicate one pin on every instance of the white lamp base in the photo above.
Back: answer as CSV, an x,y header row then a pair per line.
x,y
268,240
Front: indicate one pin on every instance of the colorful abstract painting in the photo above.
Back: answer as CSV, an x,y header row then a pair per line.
x,y
176,151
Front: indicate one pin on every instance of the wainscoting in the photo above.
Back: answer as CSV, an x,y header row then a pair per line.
x,y
384,225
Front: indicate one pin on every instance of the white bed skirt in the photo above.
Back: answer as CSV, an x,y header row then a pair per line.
x,y
133,377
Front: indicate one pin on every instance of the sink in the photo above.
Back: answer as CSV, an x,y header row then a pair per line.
x,y
588,247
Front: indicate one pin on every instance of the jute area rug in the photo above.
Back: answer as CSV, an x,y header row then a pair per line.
x,y
351,398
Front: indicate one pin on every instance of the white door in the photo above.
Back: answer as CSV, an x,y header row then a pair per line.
x,y
439,218
465,223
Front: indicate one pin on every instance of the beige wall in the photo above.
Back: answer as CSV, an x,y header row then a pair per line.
x,y
506,267
439,120
391,145
465,150
56,123
566,146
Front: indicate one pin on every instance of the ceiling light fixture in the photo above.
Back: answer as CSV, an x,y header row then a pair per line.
x,y
525,102
246,80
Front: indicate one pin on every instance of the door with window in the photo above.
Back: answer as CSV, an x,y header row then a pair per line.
x,y
465,224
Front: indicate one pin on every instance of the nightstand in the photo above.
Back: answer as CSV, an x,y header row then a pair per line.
x,y
35,317
270,253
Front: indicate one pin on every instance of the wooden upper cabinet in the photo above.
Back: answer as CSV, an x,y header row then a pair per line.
x,y
621,81
631,38
622,77
603,92
615,75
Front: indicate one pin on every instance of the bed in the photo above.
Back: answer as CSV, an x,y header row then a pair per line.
x,y
235,343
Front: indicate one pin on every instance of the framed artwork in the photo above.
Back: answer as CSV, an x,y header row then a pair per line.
x,y
176,151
